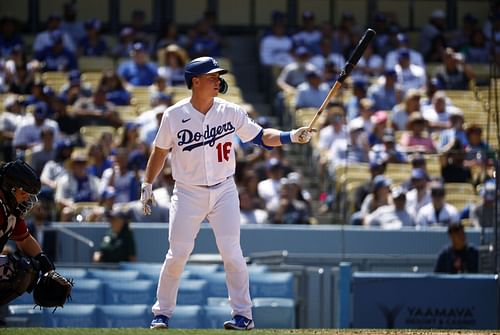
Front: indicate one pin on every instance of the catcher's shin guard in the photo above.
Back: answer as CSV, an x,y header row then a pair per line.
x,y
17,275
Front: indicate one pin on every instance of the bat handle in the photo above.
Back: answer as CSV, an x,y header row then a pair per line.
x,y
325,103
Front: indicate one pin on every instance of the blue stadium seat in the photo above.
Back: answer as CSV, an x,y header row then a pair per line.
x,y
113,275
216,284
217,301
192,292
124,316
23,299
197,271
274,312
257,268
187,316
130,292
272,284
25,316
88,291
72,315
146,270
215,316
74,273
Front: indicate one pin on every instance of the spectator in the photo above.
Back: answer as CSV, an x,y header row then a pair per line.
x,y
401,112
287,209
438,115
27,134
294,73
276,48
385,93
297,189
55,56
381,39
476,52
454,74
335,130
69,124
170,36
379,122
437,48
96,110
417,138
436,26
393,216
149,129
56,167
309,35
92,44
138,20
342,36
172,62
138,70
125,181
205,41
455,131
70,25
249,212
118,244
75,186
9,36
353,104
438,212
453,169
353,149
380,195
395,154
419,194
75,89
39,219
377,168
312,92
483,214
369,66
98,162
459,257
114,88
461,37
391,60
268,189
44,39
326,54
22,80
130,136
477,151
125,41
44,152
12,116
409,75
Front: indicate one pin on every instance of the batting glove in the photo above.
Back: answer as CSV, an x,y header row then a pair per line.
x,y
147,198
301,135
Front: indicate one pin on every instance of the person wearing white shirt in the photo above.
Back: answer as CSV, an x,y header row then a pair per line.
x,y
312,92
309,35
276,48
438,212
326,54
403,43
420,195
409,75
269,189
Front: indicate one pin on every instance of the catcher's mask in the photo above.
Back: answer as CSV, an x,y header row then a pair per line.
x,y
20,185
204,65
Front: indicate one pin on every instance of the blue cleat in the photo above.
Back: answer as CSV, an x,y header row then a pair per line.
x,y
239,322
159,322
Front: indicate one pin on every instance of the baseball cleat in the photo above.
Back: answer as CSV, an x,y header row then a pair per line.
x,y
239,322
159,322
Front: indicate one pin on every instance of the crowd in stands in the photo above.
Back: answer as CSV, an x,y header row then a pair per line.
x,y
390,109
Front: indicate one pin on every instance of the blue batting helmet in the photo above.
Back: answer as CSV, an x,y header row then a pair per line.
x,y
199,66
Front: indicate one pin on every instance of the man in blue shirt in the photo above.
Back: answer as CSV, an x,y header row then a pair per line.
x,y
138,71
56,57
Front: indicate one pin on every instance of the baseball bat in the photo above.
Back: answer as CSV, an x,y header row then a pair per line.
x,y
348,67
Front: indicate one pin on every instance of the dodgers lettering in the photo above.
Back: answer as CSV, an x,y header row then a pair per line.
x,y
208,137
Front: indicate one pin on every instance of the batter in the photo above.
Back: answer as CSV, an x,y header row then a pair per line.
x,y
198,131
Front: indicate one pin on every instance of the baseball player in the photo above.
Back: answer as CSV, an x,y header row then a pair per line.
x,y
198,132
19,185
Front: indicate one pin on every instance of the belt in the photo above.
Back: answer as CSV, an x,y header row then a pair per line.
x,y
214,185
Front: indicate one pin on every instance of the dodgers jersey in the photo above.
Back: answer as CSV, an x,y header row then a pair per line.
x,y
201,145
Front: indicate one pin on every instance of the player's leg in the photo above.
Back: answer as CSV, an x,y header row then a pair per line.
x,y
224,218
187,209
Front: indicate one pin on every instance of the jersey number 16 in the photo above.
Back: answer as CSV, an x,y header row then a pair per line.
x,y
223,151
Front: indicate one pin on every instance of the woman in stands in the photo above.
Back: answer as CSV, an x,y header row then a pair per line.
x,y
116,93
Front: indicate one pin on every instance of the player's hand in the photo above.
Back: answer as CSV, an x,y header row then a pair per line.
x,y
147,198
302,135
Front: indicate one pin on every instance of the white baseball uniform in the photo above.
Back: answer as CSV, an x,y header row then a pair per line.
x,y
203,164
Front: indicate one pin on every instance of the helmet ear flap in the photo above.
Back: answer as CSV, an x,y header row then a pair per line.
x,y
223,87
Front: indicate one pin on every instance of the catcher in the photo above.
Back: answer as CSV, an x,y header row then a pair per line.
x,y
30,270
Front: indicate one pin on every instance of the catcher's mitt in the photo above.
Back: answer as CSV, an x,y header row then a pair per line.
x,y
52,290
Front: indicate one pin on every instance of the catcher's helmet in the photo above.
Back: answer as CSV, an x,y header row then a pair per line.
x,y
204,65
19,175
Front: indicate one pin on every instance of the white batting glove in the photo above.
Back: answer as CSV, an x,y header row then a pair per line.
x,y
301,135
147,198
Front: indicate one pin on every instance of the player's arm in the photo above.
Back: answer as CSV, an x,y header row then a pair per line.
x,y
155,164
274,138
29,246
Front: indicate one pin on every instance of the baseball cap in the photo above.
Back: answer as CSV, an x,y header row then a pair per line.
x,y
312,74
381,181
9,101
456,112
403,53
397,192
93,24
56,37
437,189
294,178
488,191
273,163
301,51
390,72
418,174
455,227
199,66
126,31
41,110
356,124
138,46
379,117
402,38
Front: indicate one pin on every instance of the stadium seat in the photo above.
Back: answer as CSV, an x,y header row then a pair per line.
x,y
124,316
215,316
217,301
272,284
87,291
72,315
257,268
25,316
90,63
113,275
187,317
198,270
74,273
216,284
147,270
274,312
129,292
192,292
23,299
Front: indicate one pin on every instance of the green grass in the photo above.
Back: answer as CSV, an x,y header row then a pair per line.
x,y
139,331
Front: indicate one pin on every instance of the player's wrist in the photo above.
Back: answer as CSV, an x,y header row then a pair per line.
x,y
286,137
